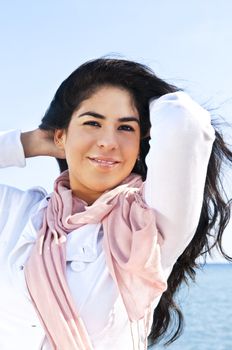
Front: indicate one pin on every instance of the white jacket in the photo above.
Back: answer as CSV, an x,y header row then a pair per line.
x,y
181,144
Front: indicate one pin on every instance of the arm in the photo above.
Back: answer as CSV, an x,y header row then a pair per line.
x,y
12,153
17,146
180,147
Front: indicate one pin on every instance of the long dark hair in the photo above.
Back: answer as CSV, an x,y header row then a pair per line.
x,y
144,85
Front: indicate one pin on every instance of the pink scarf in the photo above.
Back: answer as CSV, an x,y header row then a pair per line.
x,y
131,244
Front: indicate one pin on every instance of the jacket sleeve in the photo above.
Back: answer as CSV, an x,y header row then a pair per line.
x,y
181,143
12,153
15,204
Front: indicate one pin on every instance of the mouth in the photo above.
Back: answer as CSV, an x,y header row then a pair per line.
x,y
104,163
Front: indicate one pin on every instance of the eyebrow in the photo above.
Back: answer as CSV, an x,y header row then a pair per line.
x,y
100,116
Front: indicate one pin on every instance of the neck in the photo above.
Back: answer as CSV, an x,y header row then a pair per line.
x,y
88,197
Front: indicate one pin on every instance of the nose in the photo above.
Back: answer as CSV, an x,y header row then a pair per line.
x,y
108,140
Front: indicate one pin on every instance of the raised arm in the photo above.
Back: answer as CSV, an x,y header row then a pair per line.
x,y
16,146
12,153
181,143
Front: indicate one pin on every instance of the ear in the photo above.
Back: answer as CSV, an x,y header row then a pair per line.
x,y
59,138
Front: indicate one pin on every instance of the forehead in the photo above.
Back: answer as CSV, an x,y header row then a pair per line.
x,y
110,99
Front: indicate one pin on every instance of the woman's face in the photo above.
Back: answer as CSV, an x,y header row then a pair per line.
x,y
101,143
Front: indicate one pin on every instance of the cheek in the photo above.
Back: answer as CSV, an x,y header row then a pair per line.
x,y
80,142
131,152
131,144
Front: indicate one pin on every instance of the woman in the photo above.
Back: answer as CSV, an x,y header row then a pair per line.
x,y
96,264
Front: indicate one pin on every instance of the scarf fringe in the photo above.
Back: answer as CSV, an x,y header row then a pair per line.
x,y
138,343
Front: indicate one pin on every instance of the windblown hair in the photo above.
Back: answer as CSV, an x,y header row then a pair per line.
x,y
144,85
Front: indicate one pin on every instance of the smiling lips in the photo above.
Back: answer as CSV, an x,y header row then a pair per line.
x,y
103,162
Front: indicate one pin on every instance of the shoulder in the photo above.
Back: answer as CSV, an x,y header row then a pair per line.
x,y
16,208
13,198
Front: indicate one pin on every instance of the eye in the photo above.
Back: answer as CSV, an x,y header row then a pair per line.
x,y
126,127
92,123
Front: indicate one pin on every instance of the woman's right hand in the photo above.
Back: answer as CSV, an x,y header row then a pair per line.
x,y
40,142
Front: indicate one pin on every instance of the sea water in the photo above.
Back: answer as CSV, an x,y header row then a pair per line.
x,y
207,309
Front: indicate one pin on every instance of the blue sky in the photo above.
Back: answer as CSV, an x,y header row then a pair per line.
x,y
186,43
